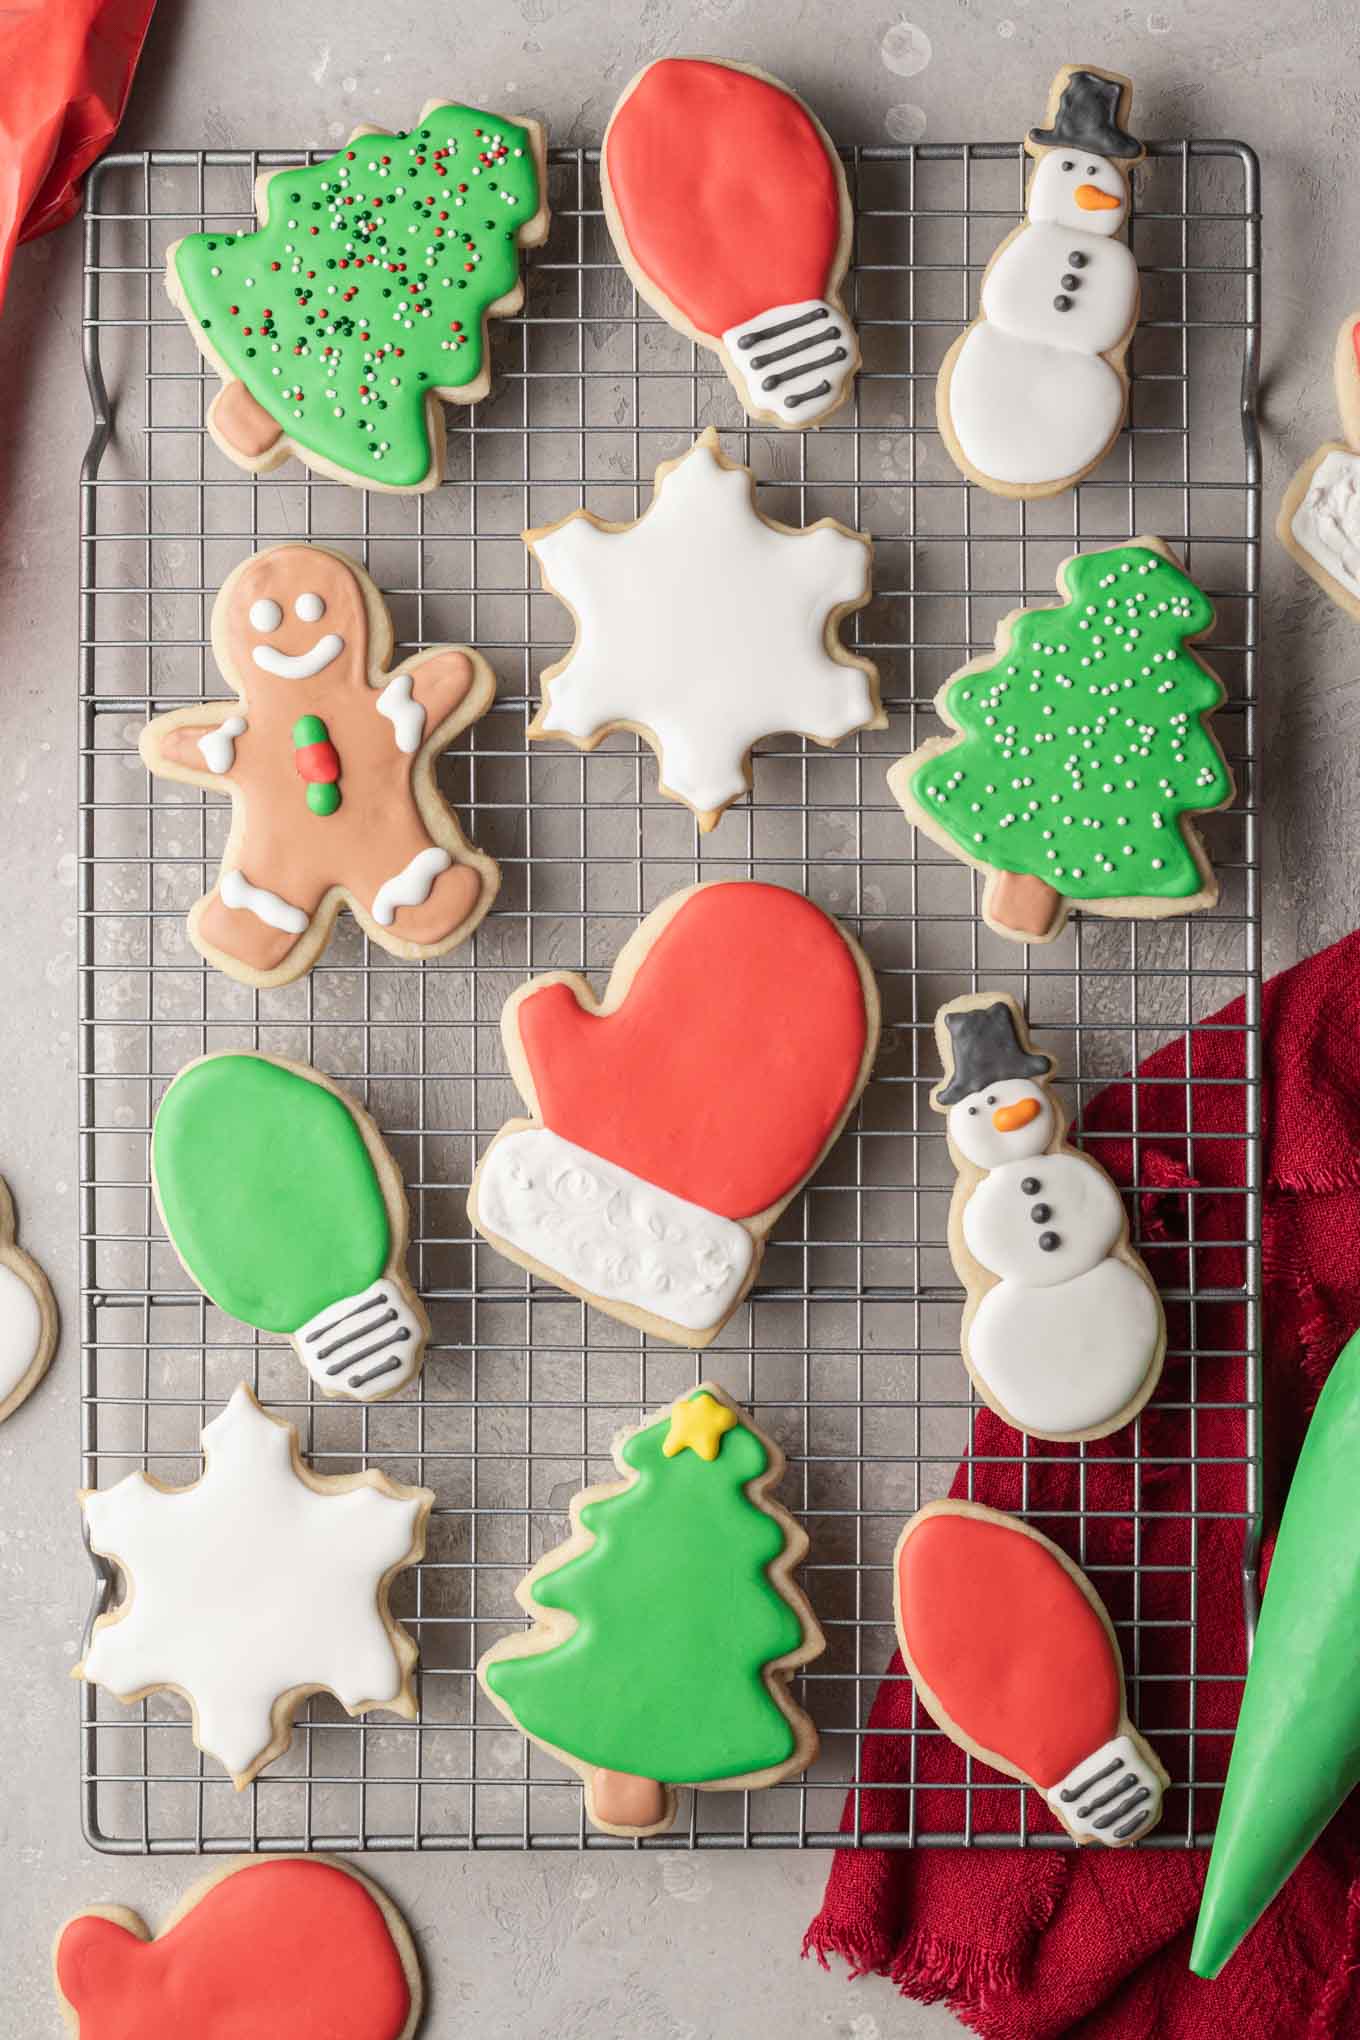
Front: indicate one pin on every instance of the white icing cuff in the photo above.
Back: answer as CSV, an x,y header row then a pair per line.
x,y
1110,1796
411,886
363,1345
793,360
611,1233
236,889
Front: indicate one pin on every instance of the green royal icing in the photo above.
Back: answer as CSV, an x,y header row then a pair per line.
x,y
1082,744
676,1618
267,1190
1296,1753
402,250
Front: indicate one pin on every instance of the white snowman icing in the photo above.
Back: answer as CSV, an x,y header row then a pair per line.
x,y
1031,400
1327,521
1065,1337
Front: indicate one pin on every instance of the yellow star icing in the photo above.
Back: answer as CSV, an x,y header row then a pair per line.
x,y
699,1424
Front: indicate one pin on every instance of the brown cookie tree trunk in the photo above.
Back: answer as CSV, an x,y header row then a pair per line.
x,y
624,1801
1027,905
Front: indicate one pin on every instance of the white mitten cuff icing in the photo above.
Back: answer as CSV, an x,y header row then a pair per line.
x,y
364,1345
609,1232
1110,1796
794,360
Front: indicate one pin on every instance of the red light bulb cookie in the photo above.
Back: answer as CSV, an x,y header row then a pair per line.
x,y
729,209
1012,1654
329,758
673,1119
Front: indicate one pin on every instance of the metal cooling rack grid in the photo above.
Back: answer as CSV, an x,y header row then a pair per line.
x,y
848,1351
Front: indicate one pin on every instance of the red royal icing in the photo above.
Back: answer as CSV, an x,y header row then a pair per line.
x,y
729,200
724,1071
1008,1643
278,1951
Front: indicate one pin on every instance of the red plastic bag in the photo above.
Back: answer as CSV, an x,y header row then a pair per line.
x,y
66,68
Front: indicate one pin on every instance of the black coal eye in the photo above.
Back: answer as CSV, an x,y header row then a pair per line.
x,y
1068,164
972,1111
991,1101
1091,170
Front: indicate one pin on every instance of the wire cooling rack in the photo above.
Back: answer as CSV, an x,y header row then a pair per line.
x,y
848,1351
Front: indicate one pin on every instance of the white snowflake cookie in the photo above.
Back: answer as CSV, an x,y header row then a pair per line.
x,y
704,627
253,1587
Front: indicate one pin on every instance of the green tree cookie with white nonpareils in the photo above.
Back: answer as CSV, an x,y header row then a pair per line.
x,y
362,299
1081,745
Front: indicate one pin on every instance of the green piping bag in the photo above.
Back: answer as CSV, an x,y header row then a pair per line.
x,y
1296,1755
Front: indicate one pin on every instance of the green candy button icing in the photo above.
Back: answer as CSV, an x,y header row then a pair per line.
x,y
676,1617
367,285
1082,744
267,1190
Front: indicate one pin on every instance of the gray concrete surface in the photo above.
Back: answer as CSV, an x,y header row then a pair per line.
x,y
649,1949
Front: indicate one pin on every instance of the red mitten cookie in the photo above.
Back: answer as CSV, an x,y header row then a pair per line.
x,y
673,1120
330,760
278,1948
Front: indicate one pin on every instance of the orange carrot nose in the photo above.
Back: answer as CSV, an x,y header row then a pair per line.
x,y
1091,198
1010,1118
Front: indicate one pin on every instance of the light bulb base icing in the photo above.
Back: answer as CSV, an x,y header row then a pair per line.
x,y
603,1229
793,361
1111,1796
363,1346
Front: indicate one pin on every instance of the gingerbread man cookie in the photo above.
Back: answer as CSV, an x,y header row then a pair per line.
x,y
329,759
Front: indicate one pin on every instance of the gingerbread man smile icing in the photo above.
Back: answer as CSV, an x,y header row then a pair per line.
x,y
329,759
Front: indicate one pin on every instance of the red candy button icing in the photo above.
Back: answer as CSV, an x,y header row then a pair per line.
x,y
1008,1643
727,197
278,1951
724,1071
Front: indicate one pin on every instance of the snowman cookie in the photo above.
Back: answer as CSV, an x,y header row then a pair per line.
x,y
1319,521
705,626
1063,1332
329,759
729,209
275,1947
1032,396
359,305
672,1121
1013,1655
28,1316
253,1587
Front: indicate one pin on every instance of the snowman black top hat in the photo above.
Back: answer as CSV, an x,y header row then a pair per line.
x,y
986,1048
1088,118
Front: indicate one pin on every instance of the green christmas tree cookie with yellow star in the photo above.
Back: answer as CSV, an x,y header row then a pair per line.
x,y
1081,747
361,302
666,1627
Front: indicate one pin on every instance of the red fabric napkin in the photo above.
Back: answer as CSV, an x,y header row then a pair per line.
x,y
1028,1945
65,73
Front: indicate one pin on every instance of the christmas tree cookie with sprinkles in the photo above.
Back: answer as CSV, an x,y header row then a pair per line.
x,y
1080,747
361,302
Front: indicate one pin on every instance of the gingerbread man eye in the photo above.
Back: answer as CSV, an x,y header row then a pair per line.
x,y
265,615
309,609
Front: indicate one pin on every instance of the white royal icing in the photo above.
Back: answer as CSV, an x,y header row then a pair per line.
x,y
706,627
236,889
20,1330
219,746
794,360
1069,1357
975,1133
406,716
362,1346
1030,399
1327,522
411,886
1111,1796
1084,1216
247,1584
265,614
609,1232
309,608
300,665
